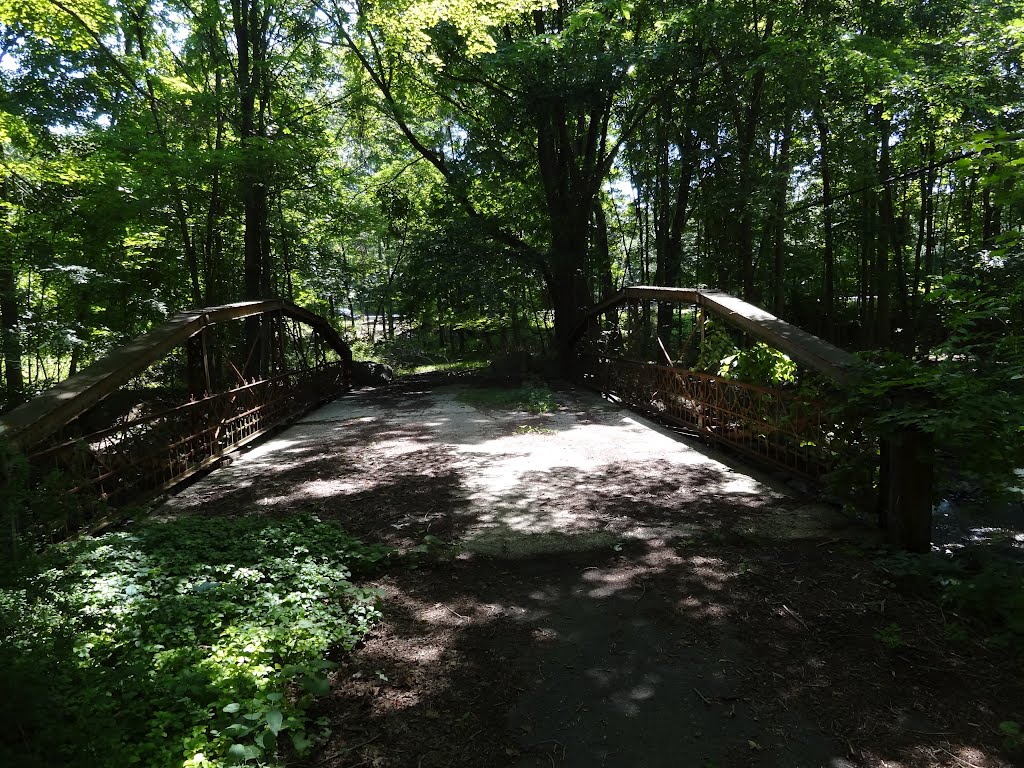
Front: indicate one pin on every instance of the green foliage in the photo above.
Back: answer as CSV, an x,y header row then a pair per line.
x,y
891,636
973,414
717,345
454,366
32,510
993,599
1013,735
535,398
760,364
431,549
185,642
981,589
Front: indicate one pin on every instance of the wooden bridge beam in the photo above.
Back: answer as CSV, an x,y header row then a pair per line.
x,y
32,422
805,348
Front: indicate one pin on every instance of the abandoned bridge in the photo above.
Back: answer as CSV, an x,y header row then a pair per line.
x,y
631,577
207,382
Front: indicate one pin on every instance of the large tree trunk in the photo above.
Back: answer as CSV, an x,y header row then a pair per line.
x,y
570,294
14,384
572,164
747,143
926,181
886,233
604,259
676,211
782,171
213,240
249,23
828,287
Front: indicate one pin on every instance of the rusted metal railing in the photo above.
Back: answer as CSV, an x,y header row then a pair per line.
x,y
773,425
149,454
770,425
171,404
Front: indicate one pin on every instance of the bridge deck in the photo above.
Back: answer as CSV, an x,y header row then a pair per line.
x,y
619,597
503,483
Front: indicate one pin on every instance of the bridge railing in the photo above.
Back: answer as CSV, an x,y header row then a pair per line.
x,y
773,426
168,405
776,425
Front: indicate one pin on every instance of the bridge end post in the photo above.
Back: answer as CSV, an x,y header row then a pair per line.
x,y
907,485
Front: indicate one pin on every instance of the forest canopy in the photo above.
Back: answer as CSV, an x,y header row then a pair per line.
x,y
852,167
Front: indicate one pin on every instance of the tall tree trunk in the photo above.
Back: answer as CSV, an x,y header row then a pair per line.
x,y
10,336
213,241
886,232
747,142
925,224
249,23
865,295
783,170
828,286
14,384
677,209
604,259
139,17
991,215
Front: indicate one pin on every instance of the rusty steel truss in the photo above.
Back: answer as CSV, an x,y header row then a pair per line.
x,y
772,426
192,390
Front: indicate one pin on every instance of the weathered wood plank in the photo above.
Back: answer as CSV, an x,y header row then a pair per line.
x,y
803,347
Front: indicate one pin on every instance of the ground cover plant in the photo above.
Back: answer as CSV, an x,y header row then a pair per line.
x,y
535,398
185,642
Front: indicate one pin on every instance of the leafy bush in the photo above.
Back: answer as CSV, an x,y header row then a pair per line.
x,y
966,391
191,642
716,345
33,509
759,365
994,599
982,588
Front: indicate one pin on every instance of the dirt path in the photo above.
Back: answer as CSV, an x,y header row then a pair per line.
x,y
613,596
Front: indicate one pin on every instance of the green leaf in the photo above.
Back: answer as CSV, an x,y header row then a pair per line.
x,y
240,753
274,720
317,685
301,742
232,707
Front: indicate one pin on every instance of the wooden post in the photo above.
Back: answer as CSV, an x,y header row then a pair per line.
x,y
198,371
911,482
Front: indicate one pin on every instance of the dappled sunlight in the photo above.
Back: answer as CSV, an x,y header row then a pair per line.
x,y
325,489
588,589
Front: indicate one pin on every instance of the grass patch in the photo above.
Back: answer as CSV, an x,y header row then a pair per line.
x,y
530,429
531,398
445,367
192,642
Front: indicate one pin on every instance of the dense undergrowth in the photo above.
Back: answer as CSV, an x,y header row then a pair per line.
x,y
184,642
981,591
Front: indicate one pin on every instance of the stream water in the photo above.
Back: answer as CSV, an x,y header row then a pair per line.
x,y
956,524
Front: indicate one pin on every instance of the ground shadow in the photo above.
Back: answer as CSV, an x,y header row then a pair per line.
x,y
694,633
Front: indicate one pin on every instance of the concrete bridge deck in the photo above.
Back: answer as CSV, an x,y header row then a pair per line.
x,y
596,591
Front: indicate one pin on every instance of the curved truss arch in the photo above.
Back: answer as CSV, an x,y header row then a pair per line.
x,y
221,383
